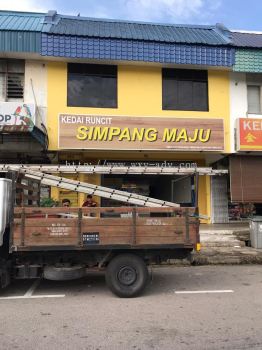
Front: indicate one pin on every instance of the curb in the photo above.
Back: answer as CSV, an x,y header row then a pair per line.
x,y
221,256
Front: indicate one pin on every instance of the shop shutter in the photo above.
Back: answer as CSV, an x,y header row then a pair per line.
x,y
246,179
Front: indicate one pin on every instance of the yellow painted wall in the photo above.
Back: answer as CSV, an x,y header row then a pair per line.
x,y
76,198
204,197
140,94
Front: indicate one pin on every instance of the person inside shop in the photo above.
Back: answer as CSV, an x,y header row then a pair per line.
x,y
89,202
66,202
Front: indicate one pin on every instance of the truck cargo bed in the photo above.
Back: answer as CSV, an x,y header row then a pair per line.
x,y
97,228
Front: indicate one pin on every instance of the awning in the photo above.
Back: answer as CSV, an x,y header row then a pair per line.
x,y
13,139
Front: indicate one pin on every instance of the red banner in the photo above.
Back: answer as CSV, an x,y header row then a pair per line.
x,y
250,134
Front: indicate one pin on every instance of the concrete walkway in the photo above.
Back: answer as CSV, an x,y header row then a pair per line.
x,y
223,244
226,244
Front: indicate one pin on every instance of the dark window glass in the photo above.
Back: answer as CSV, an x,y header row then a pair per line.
x,y
92,85
184,89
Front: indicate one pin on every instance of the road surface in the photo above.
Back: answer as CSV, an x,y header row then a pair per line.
x,y
207,307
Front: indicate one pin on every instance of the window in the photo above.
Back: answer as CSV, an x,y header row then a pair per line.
x,y
253,99
184,89
12,80
92,85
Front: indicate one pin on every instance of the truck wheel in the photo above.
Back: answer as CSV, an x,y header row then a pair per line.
x,y
127,275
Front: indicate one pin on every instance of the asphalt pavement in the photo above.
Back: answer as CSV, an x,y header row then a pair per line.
x,y
194,307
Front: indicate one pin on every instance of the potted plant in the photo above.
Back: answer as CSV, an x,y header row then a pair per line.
x,y
48,202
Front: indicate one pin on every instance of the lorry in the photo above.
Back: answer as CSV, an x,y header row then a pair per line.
x,y
63,243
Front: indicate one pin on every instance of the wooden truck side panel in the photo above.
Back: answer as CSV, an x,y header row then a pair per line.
x,y
96,227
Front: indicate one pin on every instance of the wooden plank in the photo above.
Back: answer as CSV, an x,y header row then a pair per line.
x,y
86,210
147,210
69,241
55,235
105,240
123,222
43,236
160,221
164,230
86,221
51,231
108,230
41,210
159,240
107,210
50,222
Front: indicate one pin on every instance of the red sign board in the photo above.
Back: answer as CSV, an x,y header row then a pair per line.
x,y
249,134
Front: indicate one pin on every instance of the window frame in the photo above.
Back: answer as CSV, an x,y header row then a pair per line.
x,y
95,66
7,73
250,84
178,79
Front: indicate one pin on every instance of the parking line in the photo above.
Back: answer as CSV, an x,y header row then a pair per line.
x,y
31,290
204,291
33,297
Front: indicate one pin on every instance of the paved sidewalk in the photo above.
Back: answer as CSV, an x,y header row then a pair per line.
x,y
223,244
226,244
227,255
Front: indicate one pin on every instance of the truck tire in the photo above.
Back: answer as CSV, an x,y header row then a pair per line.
x,y
127,275
64,273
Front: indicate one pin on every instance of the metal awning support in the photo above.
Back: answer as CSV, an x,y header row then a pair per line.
x,y
118,170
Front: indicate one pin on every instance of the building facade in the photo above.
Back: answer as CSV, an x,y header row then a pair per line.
x,y
245,161
130,93
23,89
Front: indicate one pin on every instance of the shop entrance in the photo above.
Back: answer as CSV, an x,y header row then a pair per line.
x,y
177,189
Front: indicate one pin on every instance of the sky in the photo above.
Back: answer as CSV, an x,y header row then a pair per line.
x,y
234,14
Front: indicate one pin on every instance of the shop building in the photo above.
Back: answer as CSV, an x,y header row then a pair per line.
x,y
23,98
125,92
23,89
117,92
245,161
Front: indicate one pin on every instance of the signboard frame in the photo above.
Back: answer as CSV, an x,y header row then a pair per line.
x,y
127,121
243,136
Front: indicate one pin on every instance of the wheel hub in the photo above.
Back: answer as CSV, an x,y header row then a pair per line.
x,y
127,275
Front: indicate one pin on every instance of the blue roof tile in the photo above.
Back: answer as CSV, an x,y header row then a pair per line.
x,y
115,29
252,40
130,50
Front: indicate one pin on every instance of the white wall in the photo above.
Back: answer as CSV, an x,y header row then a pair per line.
x,y
238,100
238,103
36,84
